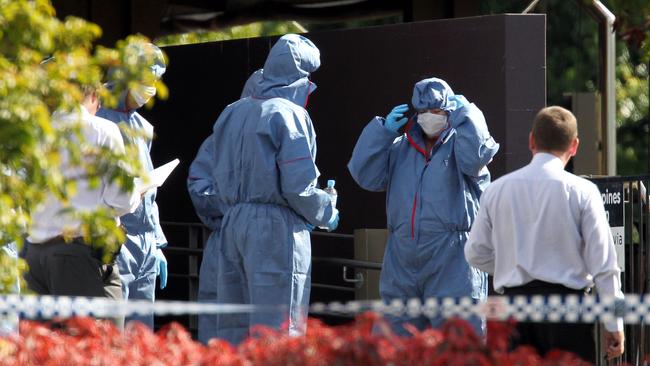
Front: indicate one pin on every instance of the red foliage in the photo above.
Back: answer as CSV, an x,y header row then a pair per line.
x,y
368,341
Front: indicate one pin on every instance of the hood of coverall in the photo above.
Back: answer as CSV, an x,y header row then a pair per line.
x,y
287,68
435,93
144,54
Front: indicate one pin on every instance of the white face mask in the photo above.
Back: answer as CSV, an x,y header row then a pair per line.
x,y
142,93
432,123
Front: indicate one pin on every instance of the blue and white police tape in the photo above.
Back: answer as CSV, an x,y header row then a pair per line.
x,y
635,309
32,307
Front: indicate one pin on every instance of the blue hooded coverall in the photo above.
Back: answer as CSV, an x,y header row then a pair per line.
x,y
265,173
200,186
137,259
203,194
431,199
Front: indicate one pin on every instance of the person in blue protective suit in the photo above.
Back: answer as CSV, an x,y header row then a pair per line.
x,y
433,175
203,194
265,173
141,258
202,190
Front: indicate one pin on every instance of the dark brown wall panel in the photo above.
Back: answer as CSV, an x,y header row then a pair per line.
x,y
497,62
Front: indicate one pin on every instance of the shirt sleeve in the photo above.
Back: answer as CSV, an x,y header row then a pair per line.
x,y
113,194
369,165
479,249
599,252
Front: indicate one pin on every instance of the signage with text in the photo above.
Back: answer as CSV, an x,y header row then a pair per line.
x,y
612,195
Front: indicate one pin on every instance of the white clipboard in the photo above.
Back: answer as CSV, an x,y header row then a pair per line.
x,y
156,177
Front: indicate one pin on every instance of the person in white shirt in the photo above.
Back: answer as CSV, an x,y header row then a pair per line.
x,y
74,267
543,230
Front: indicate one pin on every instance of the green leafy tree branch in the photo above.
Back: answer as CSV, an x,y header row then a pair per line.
x,y
45,66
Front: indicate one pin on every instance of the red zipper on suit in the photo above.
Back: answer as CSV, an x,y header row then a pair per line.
x,y
422,151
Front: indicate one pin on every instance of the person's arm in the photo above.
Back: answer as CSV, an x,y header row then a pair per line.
x,y
479,249
474,147
202,188
113,195
294,137
161,239
599,253
369,165
121,201
600,258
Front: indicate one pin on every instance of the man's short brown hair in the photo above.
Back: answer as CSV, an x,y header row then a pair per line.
x,y
554,129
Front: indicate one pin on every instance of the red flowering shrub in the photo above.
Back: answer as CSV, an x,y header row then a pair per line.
x,y
368,341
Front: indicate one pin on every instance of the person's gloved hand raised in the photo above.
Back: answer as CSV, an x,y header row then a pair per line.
x,y
396,118
161,268
334,221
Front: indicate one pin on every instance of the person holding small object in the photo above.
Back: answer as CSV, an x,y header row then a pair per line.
x,y
542,230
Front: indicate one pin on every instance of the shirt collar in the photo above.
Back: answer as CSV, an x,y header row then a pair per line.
x,y
84,111
546,159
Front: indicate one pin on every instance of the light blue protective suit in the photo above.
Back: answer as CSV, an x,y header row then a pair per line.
x,y
203,193
201,188
431,199
137,259
265,172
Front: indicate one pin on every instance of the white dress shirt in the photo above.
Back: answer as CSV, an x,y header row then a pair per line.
x,y
543,223
48,220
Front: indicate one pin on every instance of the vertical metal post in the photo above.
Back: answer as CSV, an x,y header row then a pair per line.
x,y
608,82
607,44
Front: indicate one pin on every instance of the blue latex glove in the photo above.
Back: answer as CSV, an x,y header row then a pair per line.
x,y
396,119
161,267
334,222
310,227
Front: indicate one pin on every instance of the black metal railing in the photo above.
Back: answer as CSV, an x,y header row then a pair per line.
x,y
188,248
636,244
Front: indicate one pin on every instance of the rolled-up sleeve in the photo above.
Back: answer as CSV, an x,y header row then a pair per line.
x,y
113,194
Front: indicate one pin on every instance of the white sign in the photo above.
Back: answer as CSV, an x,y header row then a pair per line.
x,y
618,234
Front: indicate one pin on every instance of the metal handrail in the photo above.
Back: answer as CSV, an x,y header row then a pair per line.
x,y
348,262
621,178
183,250
186,224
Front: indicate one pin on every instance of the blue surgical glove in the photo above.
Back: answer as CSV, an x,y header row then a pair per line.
x,y
161,268
310,227
396,119
334,222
